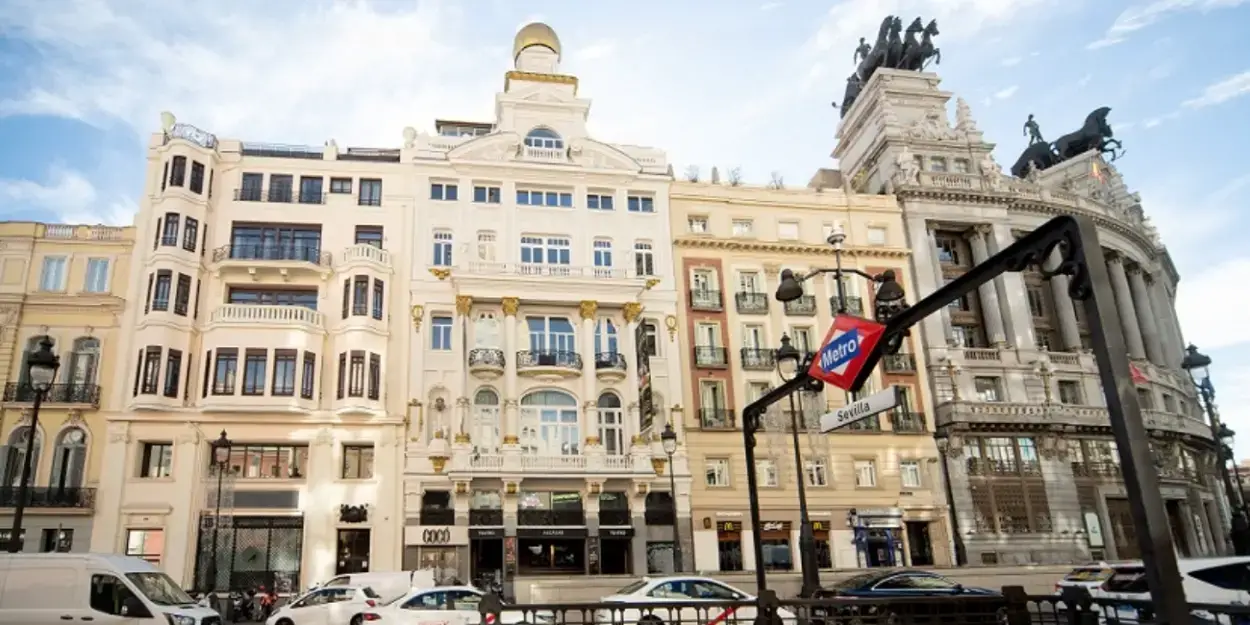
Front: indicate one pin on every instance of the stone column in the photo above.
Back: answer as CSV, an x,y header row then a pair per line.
x,y
1011,294
464,305
183,524
107,530
1146,317
988,293
589,310
637,518
633,314
511,428
319,512
1173,346
928,254
1124,304
1069,331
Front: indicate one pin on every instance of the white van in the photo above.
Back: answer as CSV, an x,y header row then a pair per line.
x,y
388,585
46,588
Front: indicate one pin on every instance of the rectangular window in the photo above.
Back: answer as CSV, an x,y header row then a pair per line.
x,y
375,376
304,298
254,363
357,462
151,370
537,250
145,544
1070,392
97,280
347,297
356,375
602,252
599,202
442,249
743,227
250,188
787,230
309,378
52,278
486,194
197,177
360,296
190,234
697,225
486,246
157,460
208,371
160,295
138,372
182,296
340,185
909,473
165,176
557,199
644,259
342,374
817,471
641,204
767,471
370,192
173,372
440,333
281,188
717,472
369,235
178,171
284,372
310,190
865,474
876,235
269,461
444,191
651,334
55,540
377,298
225,369
988,388
169,236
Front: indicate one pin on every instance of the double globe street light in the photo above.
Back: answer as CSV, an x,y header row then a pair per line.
x,y
41,368
668,440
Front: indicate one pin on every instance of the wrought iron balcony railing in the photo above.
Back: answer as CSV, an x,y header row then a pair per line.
x,y
486,517
614,517
282,195
756,359
86,394
548,358
486,357
660,514
751,303
907,422
899,363
710,356
551,517
609,360
50,497
716,419
804,305
259,251
706,300
432,515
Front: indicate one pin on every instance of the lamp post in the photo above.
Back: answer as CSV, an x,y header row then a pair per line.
x,y
1240,527
668,439
788,363
221,461
41,368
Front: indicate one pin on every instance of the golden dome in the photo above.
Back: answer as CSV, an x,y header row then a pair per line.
x,y
535,34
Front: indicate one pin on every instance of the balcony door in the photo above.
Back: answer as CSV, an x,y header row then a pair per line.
x,y
749,282
703,282
605,337
551,334
707,335
712,396
753,337
83,362
486,421
549,425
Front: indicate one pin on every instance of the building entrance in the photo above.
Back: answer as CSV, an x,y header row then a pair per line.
x,y
353,552
486,562
919,543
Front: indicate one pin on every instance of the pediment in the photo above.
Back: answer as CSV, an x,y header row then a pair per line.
x,y
596,155
499,146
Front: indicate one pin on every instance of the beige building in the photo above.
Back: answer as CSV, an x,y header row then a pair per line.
x,y
874,492
67,283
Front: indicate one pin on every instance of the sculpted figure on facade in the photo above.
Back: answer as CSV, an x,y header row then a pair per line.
x,y
963,117
991,172
907,169
932,127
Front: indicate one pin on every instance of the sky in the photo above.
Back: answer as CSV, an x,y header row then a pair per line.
x,y
730,83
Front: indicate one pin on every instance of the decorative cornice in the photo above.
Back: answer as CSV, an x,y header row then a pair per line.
x,y
778,247
558,79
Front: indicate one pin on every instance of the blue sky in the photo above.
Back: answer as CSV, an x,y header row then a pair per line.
x,y
728,83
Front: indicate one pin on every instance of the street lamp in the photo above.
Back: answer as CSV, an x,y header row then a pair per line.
x,y
221,461
41,366
1195,360
789,361
668,440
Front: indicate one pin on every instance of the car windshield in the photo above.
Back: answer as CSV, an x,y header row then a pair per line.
x,y
632,587
1090,574
159,588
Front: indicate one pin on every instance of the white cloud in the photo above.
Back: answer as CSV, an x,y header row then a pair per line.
x,y
1010,61
1140,16
1003,94
1227,89
69,196
1222,325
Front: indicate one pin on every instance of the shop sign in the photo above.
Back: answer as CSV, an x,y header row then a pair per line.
x,y
551,532
616,532
820,526
728,526
776,526
436,535
485,532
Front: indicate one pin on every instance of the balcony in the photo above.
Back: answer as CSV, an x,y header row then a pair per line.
x,y
431,515
1103,470
551,517
907,422
253,315
282,195
614,517
74,394
486,363
711,356
610,366
706,300
870,424
660,515
803,306
546,155
553,463
283,258
486,517
756,359
549,364
76,498
854,304
716,419
364,254
751,303
541,282
899,363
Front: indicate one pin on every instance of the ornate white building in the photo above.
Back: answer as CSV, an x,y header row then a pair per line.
x,y
1032,469
541,269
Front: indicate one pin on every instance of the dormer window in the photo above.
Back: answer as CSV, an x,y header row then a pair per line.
x,y
544,138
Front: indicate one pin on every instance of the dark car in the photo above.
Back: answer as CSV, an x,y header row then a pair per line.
x,y
856,595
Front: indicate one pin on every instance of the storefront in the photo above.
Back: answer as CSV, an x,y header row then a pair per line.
x,y
252,551
615,551
775,546
729,545
824,555
437,548
878,536
552,551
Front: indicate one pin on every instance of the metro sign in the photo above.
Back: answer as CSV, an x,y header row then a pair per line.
x,y
846,347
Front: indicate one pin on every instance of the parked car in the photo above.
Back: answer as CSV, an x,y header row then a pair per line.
x,y
390,584
896,584
337,605
680,589
1090,576
433,604
1220,581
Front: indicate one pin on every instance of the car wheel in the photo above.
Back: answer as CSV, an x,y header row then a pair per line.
x,y
357,620
286,621
650,619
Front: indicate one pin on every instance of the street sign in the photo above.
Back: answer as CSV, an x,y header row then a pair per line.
x,y
845,349
862,409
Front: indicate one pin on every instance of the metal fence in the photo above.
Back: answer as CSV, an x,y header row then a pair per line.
x,y
1013,607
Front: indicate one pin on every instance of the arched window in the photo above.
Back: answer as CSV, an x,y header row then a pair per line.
x,y
13,456
83,362
544,138
611,424
549,424
605,337
69,463
23,379
485,430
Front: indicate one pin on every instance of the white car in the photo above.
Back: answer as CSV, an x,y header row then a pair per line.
x,y
680,589
1219,581
433,604
1090,576
340,605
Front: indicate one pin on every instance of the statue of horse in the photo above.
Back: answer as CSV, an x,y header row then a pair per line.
x,y
910,42
917,56
894,50
1089,137
877,56
1042,155
853,87
1112,147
